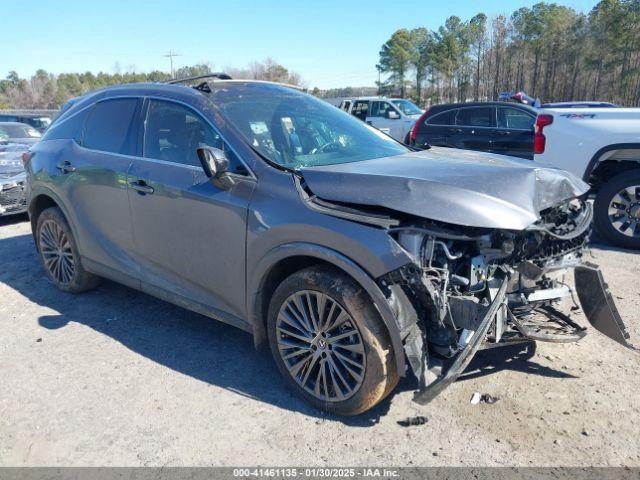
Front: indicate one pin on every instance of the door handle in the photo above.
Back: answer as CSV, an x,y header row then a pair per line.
x,y
455,130
504,133
141,187
66,167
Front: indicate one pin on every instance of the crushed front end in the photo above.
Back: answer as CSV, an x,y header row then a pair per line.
x,y
473,288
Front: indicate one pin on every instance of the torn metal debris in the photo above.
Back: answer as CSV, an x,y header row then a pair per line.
x,y
470,289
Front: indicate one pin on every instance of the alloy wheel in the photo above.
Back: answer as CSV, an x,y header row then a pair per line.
x,y
624,211
320,346
56,252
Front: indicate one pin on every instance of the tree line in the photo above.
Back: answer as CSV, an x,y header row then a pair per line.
x,y
45,90
549,51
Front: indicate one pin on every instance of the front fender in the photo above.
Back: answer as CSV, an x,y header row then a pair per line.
x,y
303,249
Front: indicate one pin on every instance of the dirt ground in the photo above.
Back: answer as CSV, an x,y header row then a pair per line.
x,y
116,377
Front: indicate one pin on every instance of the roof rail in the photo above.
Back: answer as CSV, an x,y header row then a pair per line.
x,y
218,75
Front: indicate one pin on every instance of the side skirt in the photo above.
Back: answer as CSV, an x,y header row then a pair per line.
x,y
162,294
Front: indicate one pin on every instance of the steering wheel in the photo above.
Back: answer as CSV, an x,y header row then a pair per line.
x,y
325,147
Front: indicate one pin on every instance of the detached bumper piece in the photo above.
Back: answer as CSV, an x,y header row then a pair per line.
x,y
598,305
447,377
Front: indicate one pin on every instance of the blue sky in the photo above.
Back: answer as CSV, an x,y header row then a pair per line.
x,y
330,43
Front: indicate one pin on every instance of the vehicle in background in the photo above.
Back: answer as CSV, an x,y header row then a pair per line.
x,y
39,122
601,146
358,259
393,116
494,127
16,132
13,198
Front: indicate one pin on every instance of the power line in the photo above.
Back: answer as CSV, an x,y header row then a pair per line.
x,y
170,54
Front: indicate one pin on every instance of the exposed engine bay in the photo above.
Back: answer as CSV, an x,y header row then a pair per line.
x,y
473,288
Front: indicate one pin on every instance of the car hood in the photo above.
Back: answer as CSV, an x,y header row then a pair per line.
x,y
25,140
459,187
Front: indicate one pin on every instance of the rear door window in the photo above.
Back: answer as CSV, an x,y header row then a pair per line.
x,y
513,118
109,126
360,109
476,117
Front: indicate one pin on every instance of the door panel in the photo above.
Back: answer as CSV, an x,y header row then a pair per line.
x,y
474,129
94,182
189,234
377,117
98,193
514,135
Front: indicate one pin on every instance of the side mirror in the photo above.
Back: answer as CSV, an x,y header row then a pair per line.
x,y
215,165
214,161
392,115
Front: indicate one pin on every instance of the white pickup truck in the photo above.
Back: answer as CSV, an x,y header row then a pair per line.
x,y
601,146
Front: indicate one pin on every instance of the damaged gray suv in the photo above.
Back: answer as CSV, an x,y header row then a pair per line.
x,y
358,260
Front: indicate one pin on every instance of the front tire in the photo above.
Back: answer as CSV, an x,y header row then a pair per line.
x,y
59,253
329,341
617,210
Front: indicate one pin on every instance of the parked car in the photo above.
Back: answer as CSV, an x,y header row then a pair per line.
x,y
495,127
393,116
13,198
358,259
601,146
16,132
39,122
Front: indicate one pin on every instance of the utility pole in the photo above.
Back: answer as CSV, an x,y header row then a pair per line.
x,y
170,54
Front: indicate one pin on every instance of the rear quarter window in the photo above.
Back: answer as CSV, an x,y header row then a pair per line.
x,y
444,118
68,128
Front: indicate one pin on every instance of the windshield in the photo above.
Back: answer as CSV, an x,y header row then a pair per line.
x,y
407,107
39,122
297,130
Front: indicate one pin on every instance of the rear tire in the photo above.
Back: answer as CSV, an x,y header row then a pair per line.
x,y
336,372
617,210
59,253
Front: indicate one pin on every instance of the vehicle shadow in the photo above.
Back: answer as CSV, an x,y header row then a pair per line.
x,y
612,248
517,358
186,342
601,244
13,219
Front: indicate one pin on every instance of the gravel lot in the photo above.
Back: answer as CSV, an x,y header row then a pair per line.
x,y
116,377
